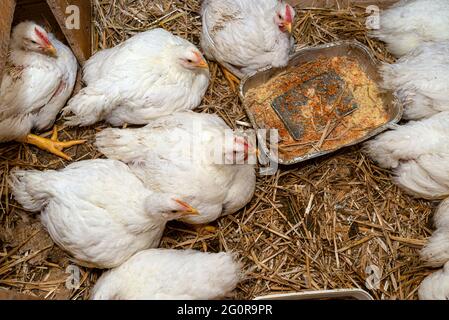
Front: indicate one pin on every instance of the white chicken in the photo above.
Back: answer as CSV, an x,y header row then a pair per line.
x,y
246,35
419,154
151,74
191,154
165,274
436,285
436,252
421,80
39,79
97,210
409,23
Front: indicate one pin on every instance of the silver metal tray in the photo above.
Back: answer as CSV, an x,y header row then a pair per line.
x,y
341,294
352,49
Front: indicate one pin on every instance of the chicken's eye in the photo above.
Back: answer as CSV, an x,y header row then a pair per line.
x,y
279,16
189,60
33,42
173,211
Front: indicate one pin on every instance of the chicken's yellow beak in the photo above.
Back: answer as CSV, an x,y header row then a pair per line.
x,y
51,51
187,210
202,64
288,27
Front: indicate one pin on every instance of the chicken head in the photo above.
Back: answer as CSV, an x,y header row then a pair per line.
x,y
285,15
238,149
168,207
31,37
192,59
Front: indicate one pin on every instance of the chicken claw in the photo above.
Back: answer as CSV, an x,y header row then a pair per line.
x,y
203,229
52,145
232,79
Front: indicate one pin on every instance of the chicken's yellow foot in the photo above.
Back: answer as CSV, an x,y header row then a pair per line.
x,y
232,79
203,229
52,145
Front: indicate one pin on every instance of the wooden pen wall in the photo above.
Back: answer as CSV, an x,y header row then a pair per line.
x,y
52,15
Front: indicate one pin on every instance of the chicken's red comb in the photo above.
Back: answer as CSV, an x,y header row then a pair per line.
x,y
242,141
42,36
198,55
288,14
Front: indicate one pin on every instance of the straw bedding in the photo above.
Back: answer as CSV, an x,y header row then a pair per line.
x,y
322,224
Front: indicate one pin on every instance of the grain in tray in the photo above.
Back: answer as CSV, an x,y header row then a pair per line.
x,y
337,115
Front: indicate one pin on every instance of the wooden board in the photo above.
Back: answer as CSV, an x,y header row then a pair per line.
x,y
79,40
39,12
52,14
6,16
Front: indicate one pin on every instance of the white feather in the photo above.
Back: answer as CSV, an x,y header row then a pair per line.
x,y
421,80
413,177
410,23
97,210
436,285
409,141
436,252
163,274
173,153
36,87
418,152
242,35
138,80
441,216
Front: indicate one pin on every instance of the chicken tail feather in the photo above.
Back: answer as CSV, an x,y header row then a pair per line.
x,y
90,105
119,144
26,186
436,252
